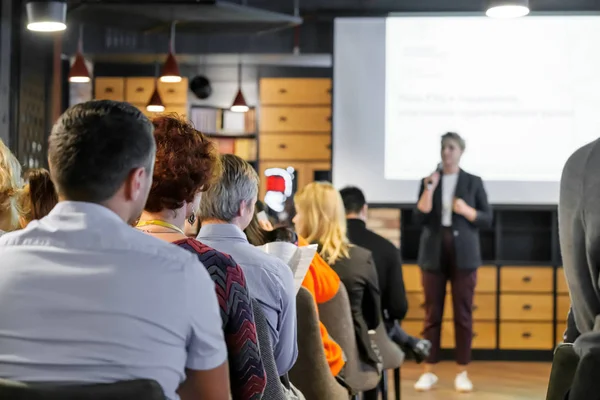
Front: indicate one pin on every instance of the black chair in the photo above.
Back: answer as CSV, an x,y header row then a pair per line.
x,y
125,390
564,366
586,383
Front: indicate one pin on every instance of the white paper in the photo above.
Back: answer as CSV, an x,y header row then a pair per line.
x,y
297,258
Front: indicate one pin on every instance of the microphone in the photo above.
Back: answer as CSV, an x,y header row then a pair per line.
x,y
439,168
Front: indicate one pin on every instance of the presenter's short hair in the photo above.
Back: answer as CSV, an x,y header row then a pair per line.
x,y
455,137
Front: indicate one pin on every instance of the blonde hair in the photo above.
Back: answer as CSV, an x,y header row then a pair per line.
x,y
10,184
323,220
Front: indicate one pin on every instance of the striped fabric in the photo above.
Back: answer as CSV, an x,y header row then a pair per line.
x,y
247,373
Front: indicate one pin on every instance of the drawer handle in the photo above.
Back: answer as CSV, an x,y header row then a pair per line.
x,y
282,119
526,279
283,146
283,91
329,91
527,307
526,335
171,90
422,305
328,146
474,335
328,119
475,307
108,90
139,90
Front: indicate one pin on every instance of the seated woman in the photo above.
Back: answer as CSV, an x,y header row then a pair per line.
x,y
10,184
321,219
37,198
186,164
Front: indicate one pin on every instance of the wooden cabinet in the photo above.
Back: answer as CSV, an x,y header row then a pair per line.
x,y
139,90
109,88
295,119
174,92
295,91
526,307
526,336
484,307
295,146
526,279
563,304
487,279
561,282
484,335
412,278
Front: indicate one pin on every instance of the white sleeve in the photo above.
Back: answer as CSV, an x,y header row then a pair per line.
x,y
206,344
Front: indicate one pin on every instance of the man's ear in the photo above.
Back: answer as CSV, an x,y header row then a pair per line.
x,y
365,210
134,183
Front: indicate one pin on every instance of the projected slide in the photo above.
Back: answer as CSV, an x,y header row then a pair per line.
x,y
524,94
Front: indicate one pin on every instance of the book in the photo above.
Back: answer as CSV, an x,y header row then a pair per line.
x,y
297,258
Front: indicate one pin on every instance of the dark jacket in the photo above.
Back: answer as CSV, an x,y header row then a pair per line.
x,y
388,262
359,276
466,234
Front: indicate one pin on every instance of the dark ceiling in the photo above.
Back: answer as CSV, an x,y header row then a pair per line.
x,y
128,27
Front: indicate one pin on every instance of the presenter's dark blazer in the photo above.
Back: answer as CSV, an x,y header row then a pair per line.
x,y
466,234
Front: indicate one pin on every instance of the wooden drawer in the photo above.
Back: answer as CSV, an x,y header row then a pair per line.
x,y
174,93
563,303
413,328
295,91
106,88
298,146
487,279
412,278
484,335
526,336
561,282
526,307
561,327
295,119
416,305
484,307
139,90
526,279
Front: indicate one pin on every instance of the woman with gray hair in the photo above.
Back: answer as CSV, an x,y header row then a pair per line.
x,y
452,207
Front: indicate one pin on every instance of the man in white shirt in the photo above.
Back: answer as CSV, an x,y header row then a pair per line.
x,y
87,298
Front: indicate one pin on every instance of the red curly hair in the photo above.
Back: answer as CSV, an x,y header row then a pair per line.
x,y
186,163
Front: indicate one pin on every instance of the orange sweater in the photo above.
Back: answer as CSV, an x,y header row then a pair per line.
x,y
323,283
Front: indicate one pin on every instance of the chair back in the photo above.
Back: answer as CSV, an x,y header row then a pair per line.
x,y
391,354
123,390
586,385
311,373
337,318
273,389
564,366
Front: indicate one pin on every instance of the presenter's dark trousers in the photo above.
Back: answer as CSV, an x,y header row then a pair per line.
x,y
463,287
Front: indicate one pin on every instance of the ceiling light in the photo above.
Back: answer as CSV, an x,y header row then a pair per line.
x,y
79,72
170,72
46,16
507,8
155,104
239,103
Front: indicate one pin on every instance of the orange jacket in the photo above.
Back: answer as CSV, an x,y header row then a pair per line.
x,y
323,283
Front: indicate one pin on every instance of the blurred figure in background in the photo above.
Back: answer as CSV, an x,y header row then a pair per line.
x,y
389,269
10,183
320,218
37,198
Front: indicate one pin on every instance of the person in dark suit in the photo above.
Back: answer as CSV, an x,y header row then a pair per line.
x,y
394,303
452,207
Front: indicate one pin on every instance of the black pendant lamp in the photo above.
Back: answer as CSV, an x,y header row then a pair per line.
x,y
507,8
170,72
155,104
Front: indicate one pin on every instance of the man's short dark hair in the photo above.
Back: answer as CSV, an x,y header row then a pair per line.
x,y
354,199
95,145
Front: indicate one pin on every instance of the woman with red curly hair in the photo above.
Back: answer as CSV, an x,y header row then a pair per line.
x,y
186,164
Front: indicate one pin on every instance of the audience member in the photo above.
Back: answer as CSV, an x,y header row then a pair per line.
x,y
37,198
320,280
85,297
10,183
320,218
186,164
579,227
389,270
226,209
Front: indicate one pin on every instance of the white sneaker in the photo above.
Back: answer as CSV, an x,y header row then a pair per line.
x,y
426,382
462,383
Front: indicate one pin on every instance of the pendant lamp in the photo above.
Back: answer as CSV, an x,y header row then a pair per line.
x,y
155,104
170,72
507,8
46,16
79,72
239,103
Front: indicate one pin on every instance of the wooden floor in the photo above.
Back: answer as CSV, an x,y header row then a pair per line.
x,y
492,381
